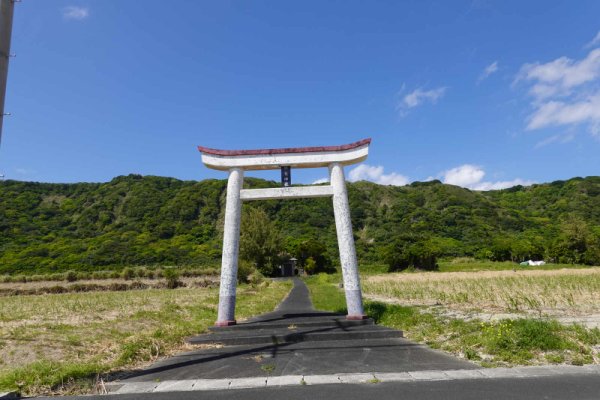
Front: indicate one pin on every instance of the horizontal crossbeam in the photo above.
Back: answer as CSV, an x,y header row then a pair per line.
x,y
286,192
300,157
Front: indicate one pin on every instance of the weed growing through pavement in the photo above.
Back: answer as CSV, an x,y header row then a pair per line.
x,y
268,368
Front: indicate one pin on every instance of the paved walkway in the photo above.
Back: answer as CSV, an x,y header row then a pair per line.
x,y
296,346
295,340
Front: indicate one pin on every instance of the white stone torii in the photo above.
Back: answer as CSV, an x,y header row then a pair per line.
x,y
238,161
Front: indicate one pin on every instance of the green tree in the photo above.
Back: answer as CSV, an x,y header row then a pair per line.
x,y
312,255
156,221
310,266
260,240
412,251
576,243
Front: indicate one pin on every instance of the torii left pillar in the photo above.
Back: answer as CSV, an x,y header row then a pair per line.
x,y
236,161
231,249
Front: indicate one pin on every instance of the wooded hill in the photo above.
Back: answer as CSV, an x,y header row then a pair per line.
x,y
135,220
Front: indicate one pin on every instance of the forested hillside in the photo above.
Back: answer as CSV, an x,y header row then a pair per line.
x,y
135,220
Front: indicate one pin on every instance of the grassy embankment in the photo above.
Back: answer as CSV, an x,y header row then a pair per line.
x,y
64,343
443,310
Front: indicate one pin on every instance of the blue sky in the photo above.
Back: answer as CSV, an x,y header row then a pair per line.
x,y
484,94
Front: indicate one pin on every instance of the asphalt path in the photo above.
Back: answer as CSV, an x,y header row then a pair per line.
x,y
338,350
563,387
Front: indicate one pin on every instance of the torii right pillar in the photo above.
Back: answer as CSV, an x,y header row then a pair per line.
x,y
345,237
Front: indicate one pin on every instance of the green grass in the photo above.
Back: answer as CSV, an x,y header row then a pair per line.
x,y
524,341
268,368
372,269
60,343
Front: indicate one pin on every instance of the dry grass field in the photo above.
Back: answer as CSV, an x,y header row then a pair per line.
x,y
61,343
555,293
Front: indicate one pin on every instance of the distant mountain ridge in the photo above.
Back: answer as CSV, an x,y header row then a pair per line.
x,y
136,220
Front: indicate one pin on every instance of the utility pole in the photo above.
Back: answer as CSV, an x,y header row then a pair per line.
x,y
6,18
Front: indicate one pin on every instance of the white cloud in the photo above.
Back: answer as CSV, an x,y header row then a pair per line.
x,y
471,176
555,113
490,69
561,138
365,172
565,92
465,175
502,184
418,97
561,76
468,176
76,13
595,41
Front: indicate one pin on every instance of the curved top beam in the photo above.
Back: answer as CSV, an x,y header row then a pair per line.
x,y
315,149
297,157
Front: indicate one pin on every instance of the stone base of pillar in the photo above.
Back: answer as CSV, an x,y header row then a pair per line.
x,y
226,313
354,302
225,323
356,317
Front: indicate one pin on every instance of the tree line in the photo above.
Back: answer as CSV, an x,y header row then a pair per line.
x,y
155,221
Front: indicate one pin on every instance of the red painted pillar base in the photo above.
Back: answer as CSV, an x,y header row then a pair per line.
x,y
356,317
225,323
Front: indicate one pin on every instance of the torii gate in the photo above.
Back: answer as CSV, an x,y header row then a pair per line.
x,y
238,161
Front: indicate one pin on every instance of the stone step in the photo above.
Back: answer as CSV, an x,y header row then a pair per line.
x,y
282,336
297,323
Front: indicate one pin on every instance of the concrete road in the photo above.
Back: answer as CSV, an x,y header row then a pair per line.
x,y
563,387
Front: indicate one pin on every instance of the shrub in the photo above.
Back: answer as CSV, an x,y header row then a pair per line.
x,y
56,289
56,277
186,273
97,275
323,278
210,271
118,286
310,266
141,272
85,287
138,285
245,269
83,275
171,276
255,278
71,276
128,274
